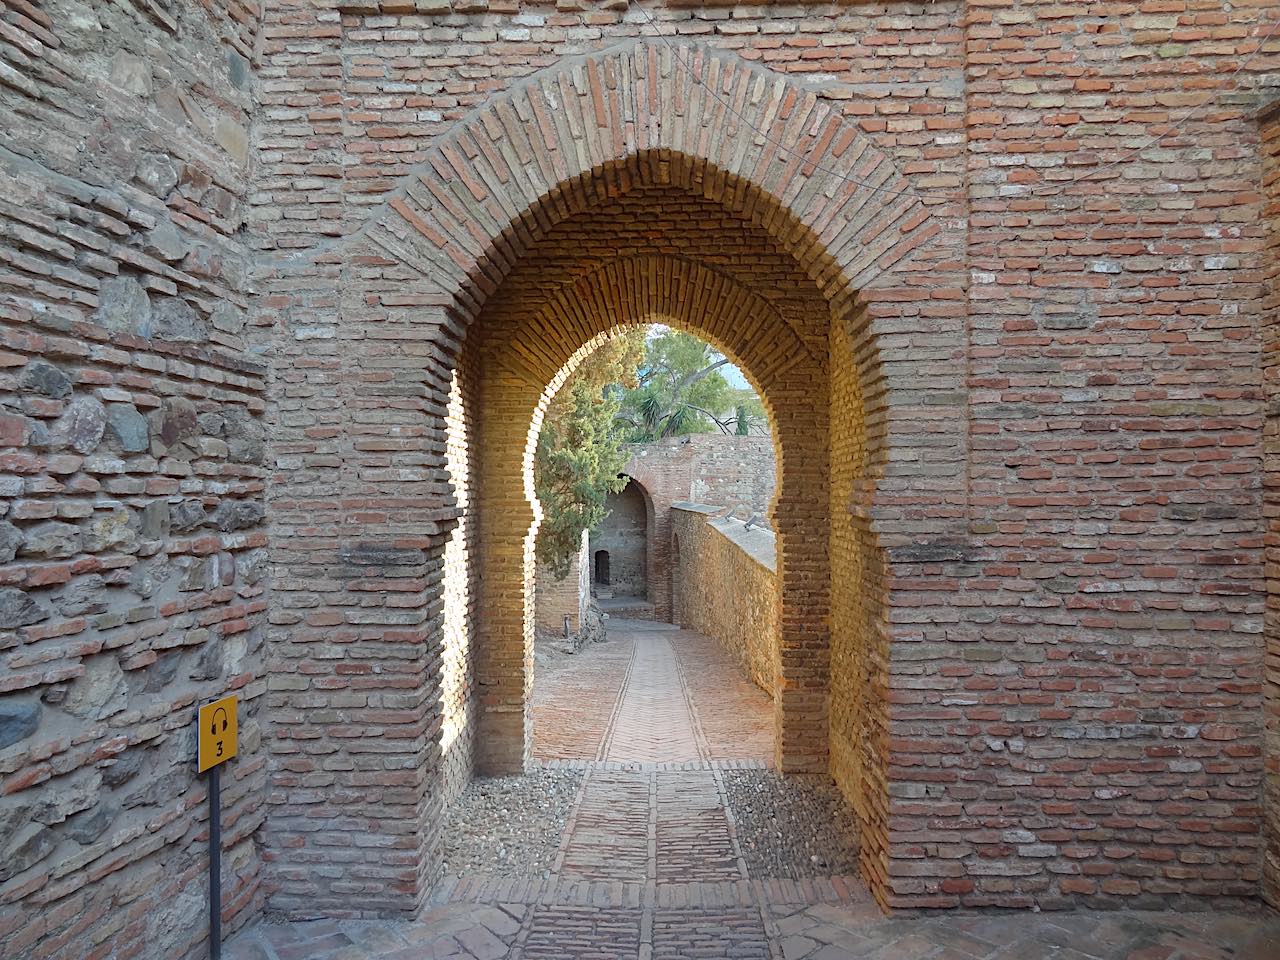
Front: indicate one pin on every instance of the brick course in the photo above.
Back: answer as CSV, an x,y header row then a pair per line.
x,y
133,569
1016,373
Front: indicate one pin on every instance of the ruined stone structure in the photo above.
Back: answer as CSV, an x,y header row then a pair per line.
x,y
285,287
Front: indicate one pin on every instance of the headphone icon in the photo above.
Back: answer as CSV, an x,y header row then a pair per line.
x,y
213,727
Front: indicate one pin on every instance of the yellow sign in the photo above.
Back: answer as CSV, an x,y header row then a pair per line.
x,y
217,734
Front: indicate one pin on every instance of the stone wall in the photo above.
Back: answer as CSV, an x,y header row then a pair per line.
x,y
710,468
132,562
567,596
623,539
728,589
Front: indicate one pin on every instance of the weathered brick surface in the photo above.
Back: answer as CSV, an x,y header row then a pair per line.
x,y
1011,350
1270,141
1092,719
1044,405
724,585
567,597
132,469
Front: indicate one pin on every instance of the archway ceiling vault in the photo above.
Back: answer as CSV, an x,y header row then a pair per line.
x,y
632,291
654,253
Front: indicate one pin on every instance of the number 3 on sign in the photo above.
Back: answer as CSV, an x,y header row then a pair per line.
x,y
217,733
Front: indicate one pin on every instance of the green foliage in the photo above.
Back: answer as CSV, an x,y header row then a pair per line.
x,y
681,390
580,449
749,414
637,387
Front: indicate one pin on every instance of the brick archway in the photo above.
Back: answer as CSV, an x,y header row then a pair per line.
x,y
840,253
654,555
521,369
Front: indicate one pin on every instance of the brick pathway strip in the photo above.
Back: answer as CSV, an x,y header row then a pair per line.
x,y
827,931
654,696
649,863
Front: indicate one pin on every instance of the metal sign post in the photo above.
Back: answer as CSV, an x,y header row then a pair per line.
x,y
215,866
217,741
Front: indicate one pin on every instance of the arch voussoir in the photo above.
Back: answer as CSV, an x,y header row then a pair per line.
x,y
809,187
495,187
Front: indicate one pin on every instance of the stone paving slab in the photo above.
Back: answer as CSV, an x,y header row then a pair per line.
x,y
789,931
650,865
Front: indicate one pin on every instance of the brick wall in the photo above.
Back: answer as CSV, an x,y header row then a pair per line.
x,y
1269,122
727,587
860,634
1038,458
555,599
1053,465
458,593
132,569
703,468
1093,711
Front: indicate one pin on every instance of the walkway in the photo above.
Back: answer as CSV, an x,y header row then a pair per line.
x,y
651,829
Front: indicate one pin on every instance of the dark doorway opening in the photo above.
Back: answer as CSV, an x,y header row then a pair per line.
x,y
602,567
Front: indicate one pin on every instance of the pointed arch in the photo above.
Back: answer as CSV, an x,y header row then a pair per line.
x,y
415,282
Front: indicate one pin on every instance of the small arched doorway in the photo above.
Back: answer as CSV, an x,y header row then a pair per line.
x,y
620,545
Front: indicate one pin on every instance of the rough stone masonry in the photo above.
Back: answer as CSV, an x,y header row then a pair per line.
x,y
285,286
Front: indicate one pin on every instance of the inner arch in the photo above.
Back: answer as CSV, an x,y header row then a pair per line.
x,y
673,250
526,355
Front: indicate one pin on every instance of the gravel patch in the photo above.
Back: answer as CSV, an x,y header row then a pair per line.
x,y
792,827
510,825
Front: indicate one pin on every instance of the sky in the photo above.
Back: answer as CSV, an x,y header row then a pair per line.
x,y
731,373
735,377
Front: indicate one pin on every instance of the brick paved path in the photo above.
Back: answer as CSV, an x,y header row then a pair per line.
x,y
651,694
649,866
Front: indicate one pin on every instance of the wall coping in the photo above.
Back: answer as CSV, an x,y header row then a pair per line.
x,y
758,543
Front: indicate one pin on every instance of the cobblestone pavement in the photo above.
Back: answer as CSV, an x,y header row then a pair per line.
x,y
649,863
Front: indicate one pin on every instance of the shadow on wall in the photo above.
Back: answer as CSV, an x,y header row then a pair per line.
x,y
620,546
